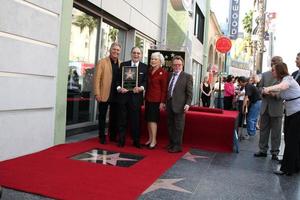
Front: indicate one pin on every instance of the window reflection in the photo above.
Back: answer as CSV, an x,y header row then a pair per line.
x,y
80,103
109,34
144,44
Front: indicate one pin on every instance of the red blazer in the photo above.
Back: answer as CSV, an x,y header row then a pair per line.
x,y
157,86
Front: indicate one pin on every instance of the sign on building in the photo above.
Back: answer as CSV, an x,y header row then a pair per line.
x,y
234,19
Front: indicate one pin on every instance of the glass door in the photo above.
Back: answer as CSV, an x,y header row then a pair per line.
x,y
80,100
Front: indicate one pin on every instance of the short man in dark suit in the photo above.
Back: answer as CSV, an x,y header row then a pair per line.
x,y
179,99
130,101
296,74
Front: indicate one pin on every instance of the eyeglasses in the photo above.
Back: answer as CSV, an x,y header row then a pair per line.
x,y
136,53
177,65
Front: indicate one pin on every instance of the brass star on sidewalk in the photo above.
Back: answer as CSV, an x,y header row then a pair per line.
x,y
106,159
166,184
192,157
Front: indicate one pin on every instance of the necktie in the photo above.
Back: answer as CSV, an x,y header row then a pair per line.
x,y
171,85
297,75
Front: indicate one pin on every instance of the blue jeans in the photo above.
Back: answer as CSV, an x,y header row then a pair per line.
x,y
252,116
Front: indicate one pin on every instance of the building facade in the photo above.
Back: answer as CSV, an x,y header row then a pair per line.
x,y
48,55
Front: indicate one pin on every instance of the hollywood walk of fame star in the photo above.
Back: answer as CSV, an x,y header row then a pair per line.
x,y
129,74
106,159
166,184
172,55
166,56
192,157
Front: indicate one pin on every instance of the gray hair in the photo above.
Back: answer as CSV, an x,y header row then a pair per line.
x,y
115,44
160,56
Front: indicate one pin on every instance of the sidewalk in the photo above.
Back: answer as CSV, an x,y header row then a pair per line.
x,y
211,175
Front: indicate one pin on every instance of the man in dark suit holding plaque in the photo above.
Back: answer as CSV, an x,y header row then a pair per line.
x,y
179,99
132,83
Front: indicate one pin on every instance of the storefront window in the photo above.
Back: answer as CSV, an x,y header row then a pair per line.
x,y
197,75
110,34
144,44
80,101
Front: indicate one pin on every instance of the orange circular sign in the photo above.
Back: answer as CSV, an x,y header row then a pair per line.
x,y
223,44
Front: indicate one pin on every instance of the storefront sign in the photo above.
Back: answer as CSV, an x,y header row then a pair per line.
x,y
223,44
234,19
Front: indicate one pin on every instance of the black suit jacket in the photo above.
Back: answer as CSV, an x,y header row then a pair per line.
x,y
142,81
294,74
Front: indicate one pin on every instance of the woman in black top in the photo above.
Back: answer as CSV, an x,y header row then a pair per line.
x,y
205,92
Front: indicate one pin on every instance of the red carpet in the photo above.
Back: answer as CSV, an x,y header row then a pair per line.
x,y
51,173
212,131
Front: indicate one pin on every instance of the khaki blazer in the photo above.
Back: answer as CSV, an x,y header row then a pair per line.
x,y
103,78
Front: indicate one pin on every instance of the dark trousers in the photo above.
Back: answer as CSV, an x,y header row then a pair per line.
x,y
241,115
291,155
205,100
228,102
176,122
130,109
113,119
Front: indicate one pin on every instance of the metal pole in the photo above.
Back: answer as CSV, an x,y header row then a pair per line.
x,y
220,83
261,34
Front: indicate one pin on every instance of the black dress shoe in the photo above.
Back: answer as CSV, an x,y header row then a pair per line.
x,y
113,139
120,144
275,157
102,140
146,144
279,172
137,145
260,154
169,146
174,150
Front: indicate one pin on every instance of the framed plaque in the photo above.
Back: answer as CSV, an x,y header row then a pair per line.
x,y
129,77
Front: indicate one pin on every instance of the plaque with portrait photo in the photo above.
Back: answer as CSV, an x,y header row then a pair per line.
x,y
129,77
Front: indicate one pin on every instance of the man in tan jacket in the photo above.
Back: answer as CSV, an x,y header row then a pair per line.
x,y
105,91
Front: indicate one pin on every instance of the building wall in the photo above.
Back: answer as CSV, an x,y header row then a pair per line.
x,y
29,40
214,57
34,62
143,15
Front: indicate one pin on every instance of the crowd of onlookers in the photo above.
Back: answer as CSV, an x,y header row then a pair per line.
x,y
264,101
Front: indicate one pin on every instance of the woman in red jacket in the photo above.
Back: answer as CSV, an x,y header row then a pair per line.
x,y
156,93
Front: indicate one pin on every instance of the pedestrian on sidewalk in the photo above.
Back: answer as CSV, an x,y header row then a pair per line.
x,y
270,115
290,92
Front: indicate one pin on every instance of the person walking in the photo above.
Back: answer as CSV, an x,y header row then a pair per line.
x,y
251,103
289,91
270,115
179,99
